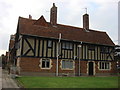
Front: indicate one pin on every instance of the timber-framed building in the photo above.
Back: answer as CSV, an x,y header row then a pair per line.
x,y
48,48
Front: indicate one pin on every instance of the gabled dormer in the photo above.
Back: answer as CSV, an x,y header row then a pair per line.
x,y
41,21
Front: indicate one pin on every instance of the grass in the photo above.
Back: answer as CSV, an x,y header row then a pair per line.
x,y
69,82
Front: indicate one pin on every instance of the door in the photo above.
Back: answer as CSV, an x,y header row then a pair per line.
x,y
91,69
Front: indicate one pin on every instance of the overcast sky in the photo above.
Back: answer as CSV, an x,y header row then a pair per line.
x,y
103,15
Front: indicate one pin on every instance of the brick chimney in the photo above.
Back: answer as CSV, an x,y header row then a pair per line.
x,y
53,15
86,22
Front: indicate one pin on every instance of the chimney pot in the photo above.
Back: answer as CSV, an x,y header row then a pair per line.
x,y
30,17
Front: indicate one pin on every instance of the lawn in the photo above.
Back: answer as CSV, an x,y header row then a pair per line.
x,y
68,82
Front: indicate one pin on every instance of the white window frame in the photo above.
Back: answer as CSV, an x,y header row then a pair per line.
x,y
67,68
50,62
109,64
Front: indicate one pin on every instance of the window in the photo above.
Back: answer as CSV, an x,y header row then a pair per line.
x,y
67,64
49,43
104,65
17,45
45,63
91,47
63,45
104,49
67,45
71,46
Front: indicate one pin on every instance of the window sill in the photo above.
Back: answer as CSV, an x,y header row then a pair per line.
x,y
66,69
46,68
104,69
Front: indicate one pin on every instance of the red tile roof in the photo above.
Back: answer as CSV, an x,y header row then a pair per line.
x,y
42,28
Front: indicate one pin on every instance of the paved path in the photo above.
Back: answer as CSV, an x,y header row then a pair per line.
x,y
7,81
0,78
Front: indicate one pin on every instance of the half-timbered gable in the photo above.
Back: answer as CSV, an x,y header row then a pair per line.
x,y
79,51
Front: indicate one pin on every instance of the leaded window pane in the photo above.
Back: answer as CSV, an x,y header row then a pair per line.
x,y
91,47
67,64
63,45
63,64
104,49
49,43
71,65
100,65
67,45
108,66
45,63
104,65
71,46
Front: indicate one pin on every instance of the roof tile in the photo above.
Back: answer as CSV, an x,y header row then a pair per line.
x,y
45,29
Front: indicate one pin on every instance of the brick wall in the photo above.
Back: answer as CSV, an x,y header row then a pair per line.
x,y
32,65
29,64
112,70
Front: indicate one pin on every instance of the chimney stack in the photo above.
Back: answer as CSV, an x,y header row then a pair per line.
x,y
30,17
53,15
86,22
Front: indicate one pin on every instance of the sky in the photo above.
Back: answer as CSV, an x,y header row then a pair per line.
x,y
103,15
119,23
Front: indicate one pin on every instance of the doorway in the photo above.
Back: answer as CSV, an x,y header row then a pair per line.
x,y
91,68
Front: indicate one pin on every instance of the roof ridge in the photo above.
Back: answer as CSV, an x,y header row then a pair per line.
x,y
70,26
64,25
27,18
81,28
97,31
26,26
